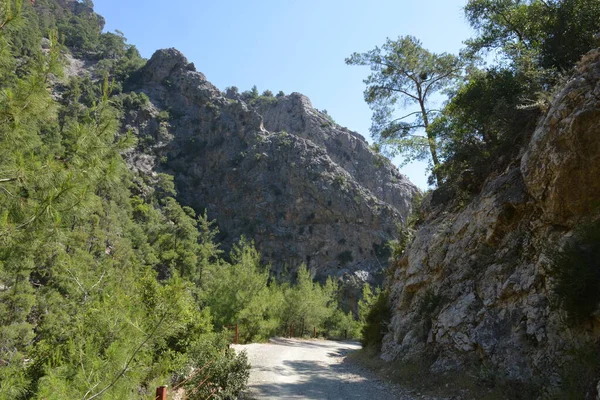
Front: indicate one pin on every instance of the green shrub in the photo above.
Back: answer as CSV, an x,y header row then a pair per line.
x,y
134,101
326,115
576,270
376,322
163,116
342,325
251,94
224,374
482,128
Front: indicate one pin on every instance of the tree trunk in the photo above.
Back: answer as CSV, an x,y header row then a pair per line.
x,y
431,142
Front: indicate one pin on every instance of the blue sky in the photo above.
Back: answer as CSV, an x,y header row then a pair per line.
x,y
294,46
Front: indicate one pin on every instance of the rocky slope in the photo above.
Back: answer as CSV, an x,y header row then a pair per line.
x,y
273,169
475,283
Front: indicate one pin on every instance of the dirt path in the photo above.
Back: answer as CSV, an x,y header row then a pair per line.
x,y
313,369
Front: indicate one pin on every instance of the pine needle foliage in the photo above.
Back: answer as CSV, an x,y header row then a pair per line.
x,y
109,287
80,302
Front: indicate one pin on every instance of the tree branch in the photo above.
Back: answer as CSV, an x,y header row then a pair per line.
x,y
510,25
439,78
404,92
120,374
406,116
402,70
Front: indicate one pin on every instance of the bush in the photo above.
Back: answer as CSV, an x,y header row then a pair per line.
x,y
576,270
342,325
228,371
134,101
251,94
376,322
163,116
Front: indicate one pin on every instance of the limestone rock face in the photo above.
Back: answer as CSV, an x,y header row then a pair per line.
x,y
273,169
474,285
295,114
562,165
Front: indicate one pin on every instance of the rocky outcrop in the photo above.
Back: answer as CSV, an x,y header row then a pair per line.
x,y
474,285
275,170
295,114
562,165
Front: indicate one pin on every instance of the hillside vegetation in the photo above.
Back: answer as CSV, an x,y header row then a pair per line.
x,y
108,286
495,279
112,285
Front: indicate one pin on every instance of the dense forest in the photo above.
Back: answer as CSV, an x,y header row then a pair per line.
x,y
109,286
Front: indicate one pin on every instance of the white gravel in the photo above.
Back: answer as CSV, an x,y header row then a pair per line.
x,y
313,369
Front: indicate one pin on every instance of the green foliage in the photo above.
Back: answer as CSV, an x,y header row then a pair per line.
x,y
483,126
492,109
376,320
493,113
80,29
231,371
576,272
80,302
405,74
251,94
342,325
307,303
556,32
569,32
239,293
243,293
367,302
284,139
406,231
329,117
163,116
399,246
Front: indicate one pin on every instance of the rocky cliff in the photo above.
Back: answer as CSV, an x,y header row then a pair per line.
x,y
476,283
271,168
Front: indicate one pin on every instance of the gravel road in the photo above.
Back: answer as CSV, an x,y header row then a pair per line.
x,y
313,369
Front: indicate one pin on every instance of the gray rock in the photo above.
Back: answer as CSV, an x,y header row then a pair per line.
x,y
303,188
562,164
485,265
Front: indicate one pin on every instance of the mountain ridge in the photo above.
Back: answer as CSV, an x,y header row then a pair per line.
x,y
279,164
